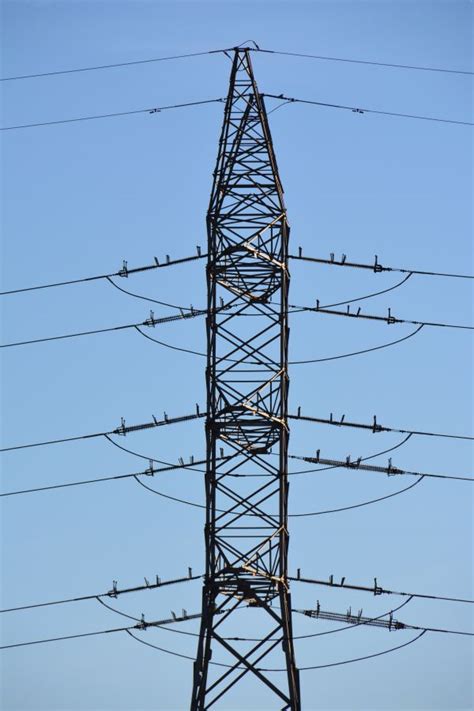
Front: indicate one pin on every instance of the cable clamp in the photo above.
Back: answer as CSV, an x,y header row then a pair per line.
x,y
377,267
124,271
122,430
375,426
151,320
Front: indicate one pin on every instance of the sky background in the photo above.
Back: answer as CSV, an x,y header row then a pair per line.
x,y
79,198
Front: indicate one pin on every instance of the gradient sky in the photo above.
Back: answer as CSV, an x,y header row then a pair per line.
x,y
79,198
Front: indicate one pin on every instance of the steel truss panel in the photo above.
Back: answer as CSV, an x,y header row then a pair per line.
x,y
246,528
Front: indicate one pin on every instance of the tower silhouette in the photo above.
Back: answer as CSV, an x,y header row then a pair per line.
x,y
246,533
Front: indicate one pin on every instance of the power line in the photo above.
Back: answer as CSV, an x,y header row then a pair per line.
x,y
306,361
375,589
147,298
150,471
296,637
125,271
353,620
390,470
356,659
361,504
360,110
374,427
389,319
150,110
110,66
292,473
113,593
63,637
122,430
305,514
258,669
191,467
142,625
296,309
362,61
158,109
389,624
219,51
364,459
375,267
151,322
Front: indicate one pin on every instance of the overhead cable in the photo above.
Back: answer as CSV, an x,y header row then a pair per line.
x,y
376,589
305,361
388,319
113,593
190,467
125,271
305,514
109,66
295,637
142,625
375,267
360,110
122,430
261,50
151,322
150,471
390,470
390,624
363,61
355,659
373,427
150,110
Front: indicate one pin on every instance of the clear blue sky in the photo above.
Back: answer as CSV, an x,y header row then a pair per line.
x,y
79,198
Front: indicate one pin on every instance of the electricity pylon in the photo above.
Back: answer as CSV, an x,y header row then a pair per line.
x,y
246,592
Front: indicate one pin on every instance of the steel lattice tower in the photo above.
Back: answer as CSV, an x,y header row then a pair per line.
x,y
247,431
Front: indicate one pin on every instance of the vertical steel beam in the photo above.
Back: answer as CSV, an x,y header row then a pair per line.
x,y
246,584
